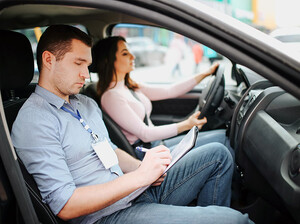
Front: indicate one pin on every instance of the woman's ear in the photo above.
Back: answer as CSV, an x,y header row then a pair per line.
x,y
48,59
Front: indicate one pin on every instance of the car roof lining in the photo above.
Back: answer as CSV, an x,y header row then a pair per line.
x,y
32,15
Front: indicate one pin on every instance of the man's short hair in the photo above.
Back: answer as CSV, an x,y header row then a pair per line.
x,y
57,39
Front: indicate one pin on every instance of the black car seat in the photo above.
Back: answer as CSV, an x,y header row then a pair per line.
x,y
16,72
115,133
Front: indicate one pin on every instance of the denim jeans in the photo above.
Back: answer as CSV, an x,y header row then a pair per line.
x,y
203,174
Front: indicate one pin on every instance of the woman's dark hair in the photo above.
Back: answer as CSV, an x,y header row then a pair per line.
x,y
104,57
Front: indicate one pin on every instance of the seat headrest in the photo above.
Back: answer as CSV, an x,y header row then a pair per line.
x,y
16,60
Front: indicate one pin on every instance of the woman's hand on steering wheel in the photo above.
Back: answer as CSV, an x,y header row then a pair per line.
x,y
194,121
212,69
191,122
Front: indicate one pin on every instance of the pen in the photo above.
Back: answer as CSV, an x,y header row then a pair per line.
x,y
142,149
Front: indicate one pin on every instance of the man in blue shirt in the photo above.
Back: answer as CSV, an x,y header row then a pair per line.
x,y
61,139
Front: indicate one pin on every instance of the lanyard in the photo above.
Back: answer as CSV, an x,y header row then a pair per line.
x,y
78,117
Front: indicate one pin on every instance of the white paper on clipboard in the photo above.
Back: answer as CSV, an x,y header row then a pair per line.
x,y
185,145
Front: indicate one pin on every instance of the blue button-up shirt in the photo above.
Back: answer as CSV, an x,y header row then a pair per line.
x,y
57,150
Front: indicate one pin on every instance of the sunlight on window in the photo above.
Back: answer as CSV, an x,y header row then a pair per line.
x,y
162,56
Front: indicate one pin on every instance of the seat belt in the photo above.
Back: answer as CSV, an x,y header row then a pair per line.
x,y
136,96
139,142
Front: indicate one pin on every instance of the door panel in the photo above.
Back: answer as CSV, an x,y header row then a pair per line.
x,y
174,110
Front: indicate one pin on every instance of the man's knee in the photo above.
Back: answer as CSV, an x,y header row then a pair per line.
x,y
220,152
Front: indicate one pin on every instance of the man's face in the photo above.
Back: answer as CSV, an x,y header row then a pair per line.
x,y
69,74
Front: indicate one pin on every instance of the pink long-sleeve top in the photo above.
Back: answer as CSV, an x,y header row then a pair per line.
x,y
128,112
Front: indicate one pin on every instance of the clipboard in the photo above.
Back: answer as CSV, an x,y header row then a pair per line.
x,y
185,145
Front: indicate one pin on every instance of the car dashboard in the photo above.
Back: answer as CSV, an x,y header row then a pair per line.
x,y
265,133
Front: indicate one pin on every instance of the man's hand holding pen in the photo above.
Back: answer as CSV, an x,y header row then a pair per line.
x,y
154,164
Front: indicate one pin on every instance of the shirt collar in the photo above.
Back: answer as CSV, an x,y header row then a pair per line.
x,y
51,97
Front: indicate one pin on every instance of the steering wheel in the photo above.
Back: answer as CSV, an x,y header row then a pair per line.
x,y
213,94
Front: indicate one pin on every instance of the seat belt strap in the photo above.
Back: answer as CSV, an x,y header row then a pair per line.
x,y
136,96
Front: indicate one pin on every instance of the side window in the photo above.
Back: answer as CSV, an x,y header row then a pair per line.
x,y
34,34
163,56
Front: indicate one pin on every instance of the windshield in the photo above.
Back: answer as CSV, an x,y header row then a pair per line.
x,y
278,18
264,15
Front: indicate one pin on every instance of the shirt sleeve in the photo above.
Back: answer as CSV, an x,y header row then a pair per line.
x,y
119,110
36,139
161,92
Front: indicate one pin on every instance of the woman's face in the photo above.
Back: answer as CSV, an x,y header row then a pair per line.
x,y
124,62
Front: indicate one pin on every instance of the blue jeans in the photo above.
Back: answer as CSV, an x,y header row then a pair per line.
x,y
202,139
203,174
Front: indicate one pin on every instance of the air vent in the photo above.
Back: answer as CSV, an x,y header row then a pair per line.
x,y
295,162
248,100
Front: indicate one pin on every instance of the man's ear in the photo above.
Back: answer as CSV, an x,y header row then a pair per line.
x,y
48,59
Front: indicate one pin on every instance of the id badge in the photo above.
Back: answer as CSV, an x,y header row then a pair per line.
x,y
105,153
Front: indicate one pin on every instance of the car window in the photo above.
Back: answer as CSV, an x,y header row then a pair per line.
x,y
163,56
34,34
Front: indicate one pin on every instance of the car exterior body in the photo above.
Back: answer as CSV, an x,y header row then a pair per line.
x,y
290,36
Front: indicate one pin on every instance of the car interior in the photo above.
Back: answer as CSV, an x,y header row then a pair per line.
x,y
262,119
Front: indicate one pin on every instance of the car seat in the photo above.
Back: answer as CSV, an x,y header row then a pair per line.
x,y
115,133
16,72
